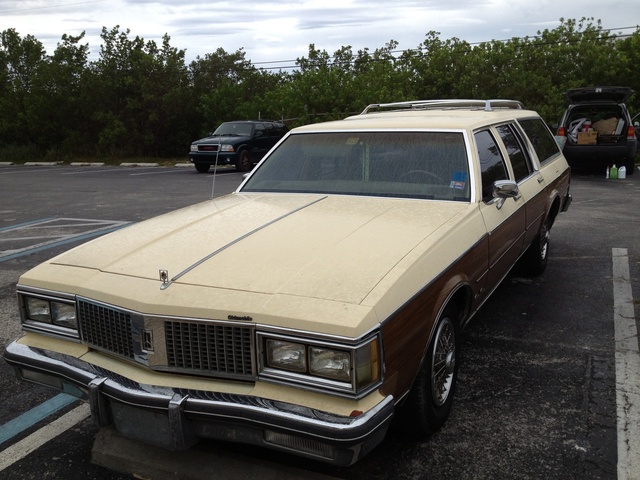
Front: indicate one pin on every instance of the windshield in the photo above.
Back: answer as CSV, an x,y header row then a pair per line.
x,y
234,130
427,165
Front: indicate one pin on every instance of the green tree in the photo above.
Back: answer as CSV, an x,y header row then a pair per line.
x,y
380,77
21,62
143,92
62,111
437,68
140,99
217,82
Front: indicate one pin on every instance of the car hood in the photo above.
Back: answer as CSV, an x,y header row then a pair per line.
x,y
598,94
221,139
323,247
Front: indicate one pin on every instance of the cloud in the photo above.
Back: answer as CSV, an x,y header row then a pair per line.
x,y
282,30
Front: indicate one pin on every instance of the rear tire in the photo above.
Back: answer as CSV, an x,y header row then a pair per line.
x,y
630,166
431,397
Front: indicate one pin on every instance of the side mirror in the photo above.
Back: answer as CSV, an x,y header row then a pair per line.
x,y
505,189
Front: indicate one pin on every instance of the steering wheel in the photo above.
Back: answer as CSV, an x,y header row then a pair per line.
x,y
417,173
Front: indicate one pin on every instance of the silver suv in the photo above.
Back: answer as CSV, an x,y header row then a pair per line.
x,y
598,128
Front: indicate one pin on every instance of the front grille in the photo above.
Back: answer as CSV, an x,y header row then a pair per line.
x,y
208,148
105,328
223,350
202,348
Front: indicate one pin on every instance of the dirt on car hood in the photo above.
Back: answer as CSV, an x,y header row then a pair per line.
x,y
326,247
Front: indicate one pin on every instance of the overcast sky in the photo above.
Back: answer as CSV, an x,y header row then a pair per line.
x,y
271,31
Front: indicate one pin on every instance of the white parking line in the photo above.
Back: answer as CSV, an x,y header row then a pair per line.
x,y
42,229
161,172
627,369
18,451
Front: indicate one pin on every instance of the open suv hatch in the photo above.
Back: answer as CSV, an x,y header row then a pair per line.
x,y
598,128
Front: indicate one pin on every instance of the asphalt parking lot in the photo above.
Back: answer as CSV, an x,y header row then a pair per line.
x,y
548,384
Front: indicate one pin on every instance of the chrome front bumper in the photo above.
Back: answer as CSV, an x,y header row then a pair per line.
x,y
176,418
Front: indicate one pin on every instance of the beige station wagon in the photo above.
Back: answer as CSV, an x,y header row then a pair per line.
x,y
317,303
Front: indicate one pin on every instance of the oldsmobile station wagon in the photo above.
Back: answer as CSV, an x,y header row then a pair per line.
x,y
320,301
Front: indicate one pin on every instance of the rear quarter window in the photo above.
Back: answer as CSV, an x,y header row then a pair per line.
x,y
519,160
541,138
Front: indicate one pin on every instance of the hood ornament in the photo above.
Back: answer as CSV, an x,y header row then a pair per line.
x,y
164,278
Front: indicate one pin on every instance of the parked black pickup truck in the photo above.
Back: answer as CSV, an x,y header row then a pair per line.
x,y
241,143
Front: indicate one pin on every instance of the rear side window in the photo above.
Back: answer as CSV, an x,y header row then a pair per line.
x,y
517,155
492,164
541,138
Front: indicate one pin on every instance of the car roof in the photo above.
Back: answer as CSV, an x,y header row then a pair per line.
x,y
598,95
445,114
255,121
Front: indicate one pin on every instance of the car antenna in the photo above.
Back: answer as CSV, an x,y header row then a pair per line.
x,y
215,170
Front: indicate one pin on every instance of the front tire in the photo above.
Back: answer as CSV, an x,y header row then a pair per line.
x,y
534,260
243,164
431,397
202,167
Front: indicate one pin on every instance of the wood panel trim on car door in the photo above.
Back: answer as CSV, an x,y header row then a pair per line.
x,y
506,227
406,333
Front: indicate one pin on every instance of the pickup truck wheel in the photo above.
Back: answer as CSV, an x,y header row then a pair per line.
x,y
243,164
431,398
202,167
534,261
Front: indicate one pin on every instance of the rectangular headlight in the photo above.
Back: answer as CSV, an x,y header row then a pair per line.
x,y
226,148
333,364
45,312
64,314
350,369
38,309
286,355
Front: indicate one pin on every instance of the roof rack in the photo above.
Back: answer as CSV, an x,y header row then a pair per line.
x,y
487,105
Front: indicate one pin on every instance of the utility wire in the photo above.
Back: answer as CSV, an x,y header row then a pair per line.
x,y
400,52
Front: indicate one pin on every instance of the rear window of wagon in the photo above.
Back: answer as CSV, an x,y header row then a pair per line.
x,y
425,165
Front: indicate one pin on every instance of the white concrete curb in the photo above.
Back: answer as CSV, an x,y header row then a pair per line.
x,y
139,164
